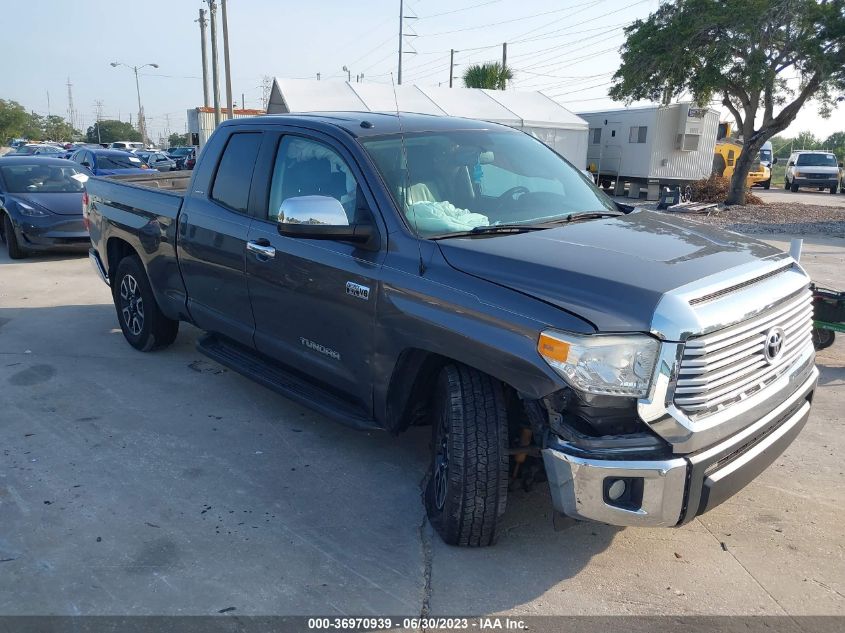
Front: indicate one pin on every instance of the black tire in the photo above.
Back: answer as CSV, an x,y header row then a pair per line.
x,y
767,184
793,188
12,247
834,189
467,487
142,322
822,339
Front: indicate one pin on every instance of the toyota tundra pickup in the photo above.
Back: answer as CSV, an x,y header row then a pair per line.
x,y
392,270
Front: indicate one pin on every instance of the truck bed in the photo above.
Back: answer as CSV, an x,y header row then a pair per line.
x,y
176,181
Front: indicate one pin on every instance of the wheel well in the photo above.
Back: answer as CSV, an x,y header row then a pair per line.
x,y
117,249
411,385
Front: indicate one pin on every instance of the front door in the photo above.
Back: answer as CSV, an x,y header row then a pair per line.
x,y
314,301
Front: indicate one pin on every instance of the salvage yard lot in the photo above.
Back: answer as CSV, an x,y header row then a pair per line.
x,y
163,483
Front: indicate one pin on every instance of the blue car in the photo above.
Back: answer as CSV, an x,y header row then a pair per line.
x,y
41,204
109,162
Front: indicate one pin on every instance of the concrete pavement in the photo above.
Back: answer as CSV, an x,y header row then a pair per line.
x,y
165,484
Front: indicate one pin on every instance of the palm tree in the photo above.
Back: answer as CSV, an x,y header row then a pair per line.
x,y
491,75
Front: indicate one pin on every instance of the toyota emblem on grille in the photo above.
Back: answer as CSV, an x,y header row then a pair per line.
x,y
774,344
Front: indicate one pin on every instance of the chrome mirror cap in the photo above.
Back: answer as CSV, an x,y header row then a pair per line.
x,y
321,210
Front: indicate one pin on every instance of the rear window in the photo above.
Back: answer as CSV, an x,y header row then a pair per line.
x,y
118,161
234,174
816,160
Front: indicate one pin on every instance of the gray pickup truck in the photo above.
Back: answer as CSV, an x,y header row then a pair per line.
x,y
406,270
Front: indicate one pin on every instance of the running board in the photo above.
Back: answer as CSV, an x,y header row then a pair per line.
x,y
251,364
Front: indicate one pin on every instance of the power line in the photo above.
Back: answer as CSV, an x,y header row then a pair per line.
x,y
474,6
489,24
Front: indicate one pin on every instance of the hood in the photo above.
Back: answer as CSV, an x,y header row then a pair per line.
x,y
610,271
128,170
59,203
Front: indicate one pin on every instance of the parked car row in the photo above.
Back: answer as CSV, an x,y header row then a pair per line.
x,y
172,159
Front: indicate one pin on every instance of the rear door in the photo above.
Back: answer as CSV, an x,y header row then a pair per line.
x,y
314,301
213,228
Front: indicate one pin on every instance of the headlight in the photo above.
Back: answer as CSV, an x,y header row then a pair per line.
x,y
797,174
31,211
618,365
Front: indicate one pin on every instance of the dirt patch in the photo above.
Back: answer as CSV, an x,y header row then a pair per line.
x,y
780,217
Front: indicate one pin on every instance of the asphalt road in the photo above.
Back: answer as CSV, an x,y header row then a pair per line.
x,y
164,484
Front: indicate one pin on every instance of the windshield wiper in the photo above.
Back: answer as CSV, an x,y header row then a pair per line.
x,y
493,229
587,215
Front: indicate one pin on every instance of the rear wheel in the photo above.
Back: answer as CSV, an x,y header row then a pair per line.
x,y
467,485
12,247
143,324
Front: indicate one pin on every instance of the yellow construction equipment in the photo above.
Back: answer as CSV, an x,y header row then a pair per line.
x,y
726,154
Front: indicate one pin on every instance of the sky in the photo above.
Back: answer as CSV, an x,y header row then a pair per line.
x,y
567,48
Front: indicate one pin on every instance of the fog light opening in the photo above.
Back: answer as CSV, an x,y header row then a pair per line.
x,y
616,490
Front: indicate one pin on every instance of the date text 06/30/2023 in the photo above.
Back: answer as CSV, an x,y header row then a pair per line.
x,y
375,623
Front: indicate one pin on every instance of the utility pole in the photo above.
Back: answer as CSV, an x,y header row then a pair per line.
x,y
215,75
226,60
142,128
504,64
243,102
71,112
401,28
98,110
451,66
203,24
48,104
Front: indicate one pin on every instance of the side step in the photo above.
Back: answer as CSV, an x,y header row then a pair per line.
x,y
251,364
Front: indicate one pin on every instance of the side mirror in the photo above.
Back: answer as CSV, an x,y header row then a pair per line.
x,y
323,218
841,164
85,163
791,163
775,160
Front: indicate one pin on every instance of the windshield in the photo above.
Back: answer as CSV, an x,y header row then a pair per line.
x,y
816,160
118,161
40,178
456,181
766,155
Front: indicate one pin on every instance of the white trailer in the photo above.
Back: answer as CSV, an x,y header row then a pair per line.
x,y
651,146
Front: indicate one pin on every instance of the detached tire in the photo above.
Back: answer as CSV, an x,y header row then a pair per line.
x,y
12,247
467,486
142,322
822,339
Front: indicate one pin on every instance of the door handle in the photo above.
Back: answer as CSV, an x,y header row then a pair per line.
x,y
261,249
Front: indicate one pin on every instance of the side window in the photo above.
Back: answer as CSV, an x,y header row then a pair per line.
x,y
234,173
638,134
731,157
309,168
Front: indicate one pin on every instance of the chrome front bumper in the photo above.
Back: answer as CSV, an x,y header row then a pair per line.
x,y
674,491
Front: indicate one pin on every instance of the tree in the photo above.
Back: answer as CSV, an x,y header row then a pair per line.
x,y
743,52
110,131
13,120
56,128
491,75
177,140
836,144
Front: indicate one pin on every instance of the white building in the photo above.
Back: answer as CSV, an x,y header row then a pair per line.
x,y
201,122
653,146
533,112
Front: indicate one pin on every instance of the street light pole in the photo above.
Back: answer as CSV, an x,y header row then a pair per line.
x,y
348,74
142,127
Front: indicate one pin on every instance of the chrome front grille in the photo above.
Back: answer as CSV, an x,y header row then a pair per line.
x,y
730,364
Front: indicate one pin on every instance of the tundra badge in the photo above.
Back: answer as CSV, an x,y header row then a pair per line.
x,y
357,290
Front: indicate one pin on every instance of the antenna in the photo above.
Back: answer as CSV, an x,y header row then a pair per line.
x,y
406,188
